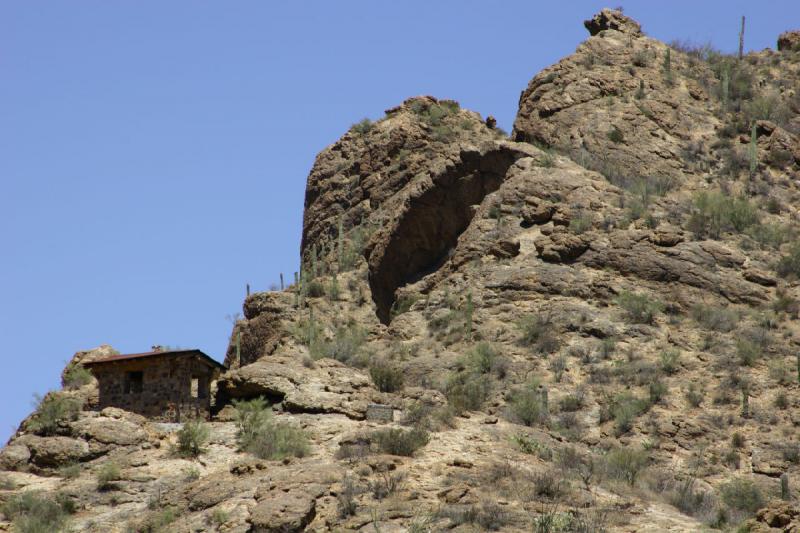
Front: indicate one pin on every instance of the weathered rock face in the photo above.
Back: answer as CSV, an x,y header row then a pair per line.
x,y
789,41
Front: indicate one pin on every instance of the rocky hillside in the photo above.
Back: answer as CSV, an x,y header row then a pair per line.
x,y
588,326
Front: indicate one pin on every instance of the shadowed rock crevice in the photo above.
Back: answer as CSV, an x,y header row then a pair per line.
x,y
432,221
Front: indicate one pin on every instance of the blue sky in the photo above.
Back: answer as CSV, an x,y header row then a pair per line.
x,y
153,155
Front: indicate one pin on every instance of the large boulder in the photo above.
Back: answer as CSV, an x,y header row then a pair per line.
x,y
14,457
326,387
53,452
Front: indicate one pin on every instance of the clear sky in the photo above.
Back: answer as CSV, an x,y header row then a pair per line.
x,y
153,155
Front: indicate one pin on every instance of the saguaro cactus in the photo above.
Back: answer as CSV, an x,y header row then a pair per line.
x,y
745,403
753,150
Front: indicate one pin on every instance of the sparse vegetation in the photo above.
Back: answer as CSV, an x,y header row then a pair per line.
x,y
742,494
76,377
527,405
386,376
402,442
52,410
538,333
192,438
259,434
715,212
108,473
467,391
35,512
639,308
625,464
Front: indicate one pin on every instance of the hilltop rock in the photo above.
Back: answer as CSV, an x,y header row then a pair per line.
x,y
612,19
789,41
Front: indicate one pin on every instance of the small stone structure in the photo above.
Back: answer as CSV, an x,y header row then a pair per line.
x,y
378,412
167,385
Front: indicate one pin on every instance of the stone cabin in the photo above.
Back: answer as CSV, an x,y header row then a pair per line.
x,y
167,385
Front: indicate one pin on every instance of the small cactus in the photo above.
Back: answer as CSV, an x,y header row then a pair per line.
x,y
544,400
753,150
745,403
785,486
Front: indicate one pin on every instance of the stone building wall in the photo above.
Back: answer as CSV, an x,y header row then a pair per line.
x,y
166,387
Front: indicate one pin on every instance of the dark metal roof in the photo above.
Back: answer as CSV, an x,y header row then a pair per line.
x,y
155,354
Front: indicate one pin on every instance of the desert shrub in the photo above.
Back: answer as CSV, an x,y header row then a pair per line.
x,y
34,512
483,358
76,377
192,438
748,352
345,346
581,223
156,521
715,212
260,435
670,360
538,333
625,464
51,410
403,304
527,406
615,135
572,402
623,409
467,391
386,484
770,235
607,347
363,126
315,288
547,484
528,445
694,395
689,499
427,416
402,442
219,517
488,516
346,497
781,401
743,495
790,451
70,471
656,391
715,318
640,308
386,376
737,440
107,475
557,366
788,266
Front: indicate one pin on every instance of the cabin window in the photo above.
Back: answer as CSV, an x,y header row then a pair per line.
x,y
133,382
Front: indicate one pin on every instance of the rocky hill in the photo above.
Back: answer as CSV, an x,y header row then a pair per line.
x,y
590,325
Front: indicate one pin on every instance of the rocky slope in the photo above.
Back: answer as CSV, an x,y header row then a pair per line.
x,y
590,326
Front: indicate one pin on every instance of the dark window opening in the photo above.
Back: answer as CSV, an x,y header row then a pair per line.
x,y
133,382
199,388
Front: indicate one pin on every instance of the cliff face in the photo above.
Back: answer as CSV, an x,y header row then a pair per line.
x,y
590,327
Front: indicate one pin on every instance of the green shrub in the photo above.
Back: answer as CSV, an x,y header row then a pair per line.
x,y
70,471
483,358
402,442
467,391
538,333
107,474
615,135
403,304
581,223
35,512
743,495
345,345
527,406
558,365
385,376
715,212
156,521
670,361
315,288
363,126
76,377
488,516
715,318
640,308
572,402
260,435
623,409
625,464
219,517
788,266
531,446
192,438
694,395
656,391
51,410
748,352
